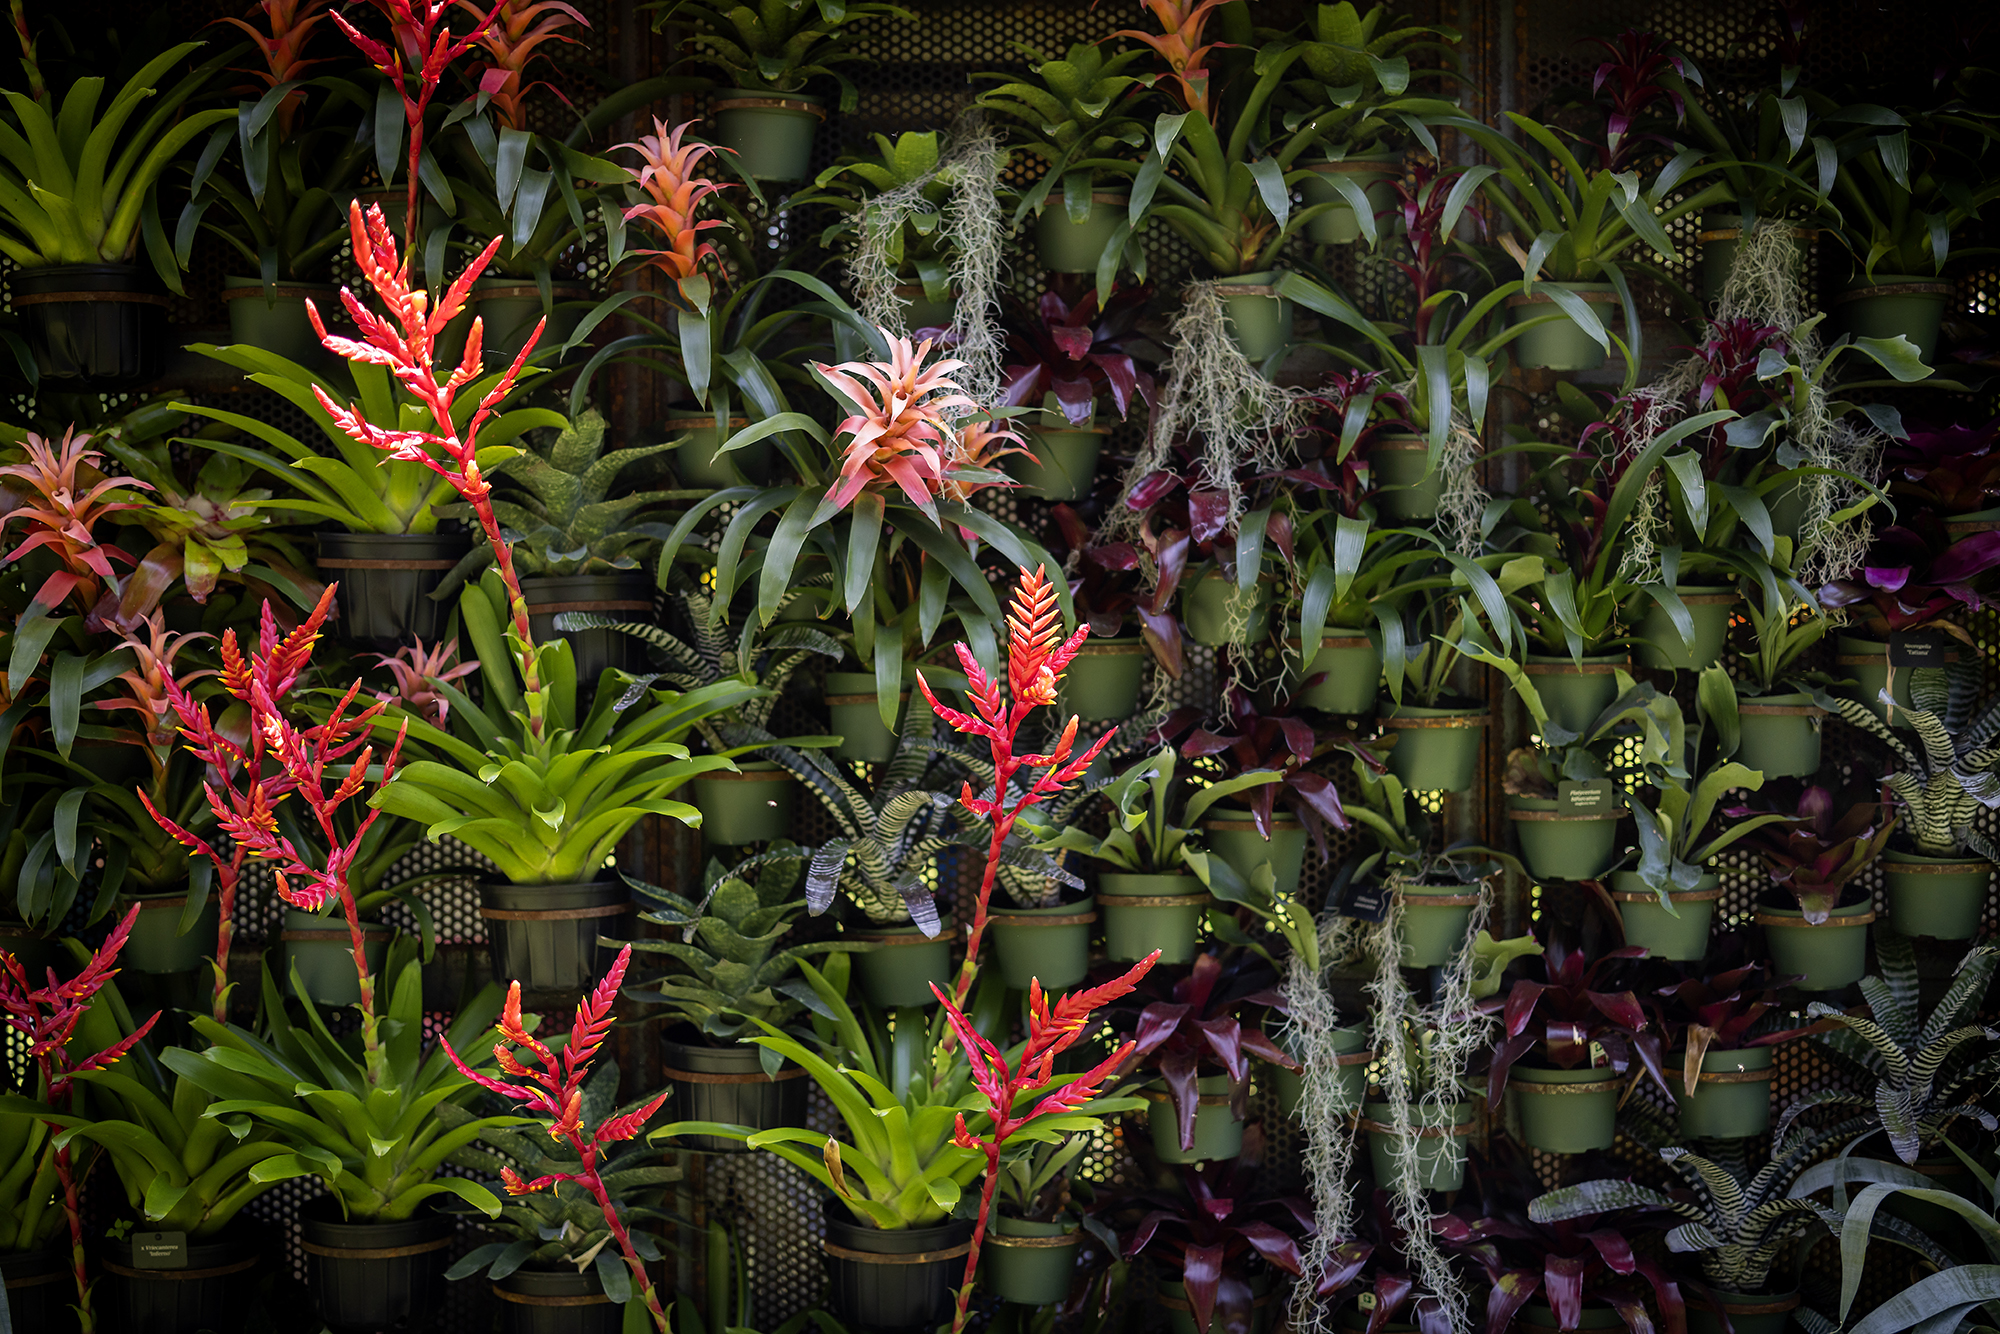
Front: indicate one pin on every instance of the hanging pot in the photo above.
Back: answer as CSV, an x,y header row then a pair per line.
x,y
1350,672
545,936
1434,922
1215,608
1683,938
1560,345
1574,693
752,806
203,1294
1143,913
1375,174
728,1084
386,581
1173,1299
41,1290
1564,845
700,468
1440,1142
509,310
1065,245
1825,957
1939,897
157,944
1720,235
893,1282
1889,304
1103,680
1351,1060
93,326
1051,944
367,1276
1064,463
557,1301
1867,662
853,709
624,596
921,310
1437,749
1231,834
1402,465
1732,1094
900,969
1565,1111
1030,1263
322,951
770,133
1780,735
1748,1312
1660,644
1218,1135
274,318
1260,321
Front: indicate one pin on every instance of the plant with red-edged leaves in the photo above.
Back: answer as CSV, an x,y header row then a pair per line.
x,y
47,1016
1109,585
1052,1030
1378,1261
70,498
1078,352
1631,85
555,1094
1949,468
1573,1007
1815,855
1722,1009
1270,737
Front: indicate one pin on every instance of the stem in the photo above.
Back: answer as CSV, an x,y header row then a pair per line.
x,y
225,934
517,601
1003,825
73,1211
964,1310
588,1152
371,1043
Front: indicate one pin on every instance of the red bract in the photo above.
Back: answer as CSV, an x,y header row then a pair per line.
x,y
291,24
419,672
71,502
1629,85
1181,47
509,38
554,1091
1573,1008
1421,203
899,436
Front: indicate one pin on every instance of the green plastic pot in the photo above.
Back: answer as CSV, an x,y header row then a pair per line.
x,y
1259,322
922,310
1065,245
1064,463
1206,611
1565,1111
510,308
1780,735
854,711
1732,1096
1231,834
1660,644
770,133
1574,693
1556,845
1172,1298
876,1282
1413,489
1720,236
1866,662
1749,1312
1434,922
727,1084
545,936
900,969
1440,1144
1218,1135
562,1300
1339,225
1142,914
319,947
203,1294
386,606
1889,304
1561,344
93,326
1350,672
1103,680
275,318
157,945
1939,897
1030,1263
699,467
1683,938
1051,944
753,806
1350,1049
366,1274
1825,957
622,595
1437,749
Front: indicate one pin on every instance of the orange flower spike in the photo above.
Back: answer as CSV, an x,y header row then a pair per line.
x,y
675,193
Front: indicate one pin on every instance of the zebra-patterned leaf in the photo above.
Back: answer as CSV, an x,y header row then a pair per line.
x,y
823,875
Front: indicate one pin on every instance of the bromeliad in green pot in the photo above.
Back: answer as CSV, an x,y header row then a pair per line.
x,y
1722,1035
1031,1251
1817,927
1106,678
1065,357
1778,723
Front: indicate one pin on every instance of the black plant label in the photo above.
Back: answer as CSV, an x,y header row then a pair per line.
x,y
159,1250
1364,902
1917,648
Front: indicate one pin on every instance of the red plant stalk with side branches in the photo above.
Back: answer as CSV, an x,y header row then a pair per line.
x,y
1051,1031
47,1016
556,1092
1036,656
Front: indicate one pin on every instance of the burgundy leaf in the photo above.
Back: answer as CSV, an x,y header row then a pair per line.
x,y
1208,512
1201,1273
1562,1279
1150,489
1171,559
1074,342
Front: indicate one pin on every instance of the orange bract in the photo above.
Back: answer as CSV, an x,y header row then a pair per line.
x,y
676,192
1181,45
981,446
518,28
900,435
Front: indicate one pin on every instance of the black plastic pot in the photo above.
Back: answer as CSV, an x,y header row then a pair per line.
x,y
897,1282
386,581
728,1084
94,326
202,1295
373,1276
556,1301
40,1290
545,936
623,597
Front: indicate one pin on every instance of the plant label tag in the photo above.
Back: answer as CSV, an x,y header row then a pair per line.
x,y
1598,1057
1365,1300
1593,796
159,1250
1365,902
1917,648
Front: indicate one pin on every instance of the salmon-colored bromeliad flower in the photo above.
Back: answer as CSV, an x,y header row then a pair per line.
x,y
900,435
674,194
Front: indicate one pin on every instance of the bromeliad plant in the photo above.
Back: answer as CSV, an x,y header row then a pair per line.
x,y
1817,856
1076,117
778,46
1572,1014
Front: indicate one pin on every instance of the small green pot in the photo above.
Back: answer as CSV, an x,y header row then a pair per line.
x,y
1910,304
1434,922
1030,1263
1340,225
1064,463
1259,322
753,806
1780,735
900,969
1683,938
1066,246
1825,957
546,936
561,1300
1660,643
205,1293
1206,608
156,944
1142,914
385,584
854,711
509,309
1231,834
1720,236
1867,662
1732,1095
1350,672
1440,1144
323,953
1436,750
921,310
699,467
1749,1312
1573,693
1939,897
1556,845
1413,489
770,133
1561,345
1104,679
623,595
1050,944
1565,1111
728,1084
1350,1049
276,320
1217,1133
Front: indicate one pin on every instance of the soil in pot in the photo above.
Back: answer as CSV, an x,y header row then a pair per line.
x,y
625,596
1340,225
1825,957
275,319
1065,245
386,581
157,944
1349,668
1216,612
770,133
41,1290
1565,1111
1440,1143
1217,1132
1574,693
1437,749
728,1084
202,1296
1231,834
698,465
1064,463
1104,680
1682,938
903,964
1749,1312
1030,1263
892,1282
1940,897
1260,321
1434,922
372,1276
556,1301
545,936
1050,944
1780,735
1412,489
1889,304
754,805
93,326
853,709
1561,344
1563,845
1143,913
1660,644
319,947
1732,1093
